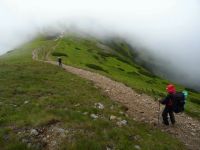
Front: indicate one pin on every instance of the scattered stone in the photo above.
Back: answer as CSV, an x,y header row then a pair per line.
x,y
85,113
107,90
34,132
6,137
77,105
112,117
193,134
126,115
193,130
53,143
119,118
62,132
25,141
93,116
29,145
44,139
99,105
137,147
137,138
121,112
26,102
122,123
108,148
112,107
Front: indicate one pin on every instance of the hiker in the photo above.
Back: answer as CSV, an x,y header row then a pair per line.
x,y
168,102
60,61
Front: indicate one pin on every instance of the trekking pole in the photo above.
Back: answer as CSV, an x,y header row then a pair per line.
x,y
158,112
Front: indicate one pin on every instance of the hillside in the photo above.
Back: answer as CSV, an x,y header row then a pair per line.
x,y
45,107
115,59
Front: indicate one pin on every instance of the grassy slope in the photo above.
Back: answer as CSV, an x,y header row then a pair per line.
x,y
32,94
115,60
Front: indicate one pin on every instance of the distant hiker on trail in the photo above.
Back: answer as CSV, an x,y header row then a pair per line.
x,y
60,61
168,102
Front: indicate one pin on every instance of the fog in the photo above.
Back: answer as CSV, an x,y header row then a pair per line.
x,y
167,30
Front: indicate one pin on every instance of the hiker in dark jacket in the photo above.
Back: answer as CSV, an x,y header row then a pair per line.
x,y
60,61
168,102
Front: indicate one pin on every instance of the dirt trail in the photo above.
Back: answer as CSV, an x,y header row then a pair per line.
x,y
141,107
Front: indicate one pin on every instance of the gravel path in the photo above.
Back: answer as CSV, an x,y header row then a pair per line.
x,y
141,107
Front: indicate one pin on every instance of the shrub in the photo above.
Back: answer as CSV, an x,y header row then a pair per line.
x,y
77,48
134,73
121,69
191,90
195,100
146,73
59,54
96,67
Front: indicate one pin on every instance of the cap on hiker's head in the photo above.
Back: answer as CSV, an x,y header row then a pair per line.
x,y
171,88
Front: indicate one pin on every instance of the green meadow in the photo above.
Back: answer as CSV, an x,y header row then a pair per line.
x,y
37,95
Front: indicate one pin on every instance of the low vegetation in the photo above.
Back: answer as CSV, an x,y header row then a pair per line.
x,y
116,58
38,98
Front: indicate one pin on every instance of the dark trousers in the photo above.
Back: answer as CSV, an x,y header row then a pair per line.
x,y
60,64
165,113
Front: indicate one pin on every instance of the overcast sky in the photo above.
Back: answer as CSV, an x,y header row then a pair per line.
x,y
166,27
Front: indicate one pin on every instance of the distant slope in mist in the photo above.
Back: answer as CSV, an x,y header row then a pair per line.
x,y
115,58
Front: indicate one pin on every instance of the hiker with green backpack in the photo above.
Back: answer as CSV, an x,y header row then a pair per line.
x,y
174,102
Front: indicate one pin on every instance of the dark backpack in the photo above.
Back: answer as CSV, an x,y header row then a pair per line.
x,y
179,100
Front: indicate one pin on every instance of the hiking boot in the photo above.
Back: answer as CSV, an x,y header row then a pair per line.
x,y
173,123
165,123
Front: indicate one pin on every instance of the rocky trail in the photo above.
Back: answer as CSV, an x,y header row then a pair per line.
x,y
140,107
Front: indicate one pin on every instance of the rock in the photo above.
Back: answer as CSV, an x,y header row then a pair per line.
x,y
137,147
99,105
29,145
26,102
108,148
119,118
193,130
122,123
112,107
193,134
62,132
112,117
34,132
53,143
93,116
58,130
126,115
77,105
85,113
137,138
25,141
6,137
121,112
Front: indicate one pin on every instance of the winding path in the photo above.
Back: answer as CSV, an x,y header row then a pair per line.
x,y
141,107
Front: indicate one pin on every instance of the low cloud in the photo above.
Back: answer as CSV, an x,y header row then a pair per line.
x,y
168,30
